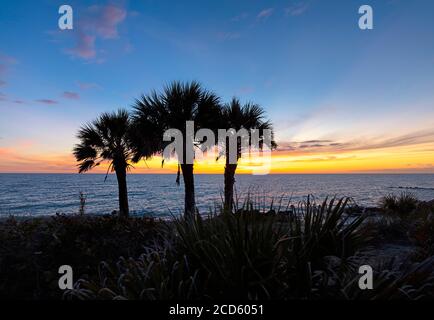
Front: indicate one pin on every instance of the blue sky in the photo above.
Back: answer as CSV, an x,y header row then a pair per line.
x,y
306,62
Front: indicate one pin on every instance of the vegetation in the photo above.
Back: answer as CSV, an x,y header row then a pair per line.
x,y
106,139
310,253
31,251
306,251
402,205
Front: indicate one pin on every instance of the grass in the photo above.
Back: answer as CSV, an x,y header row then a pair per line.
x,y
247,255
403,205
31,251
305,251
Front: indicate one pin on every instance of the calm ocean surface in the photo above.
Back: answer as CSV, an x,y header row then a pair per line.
x,y
158,195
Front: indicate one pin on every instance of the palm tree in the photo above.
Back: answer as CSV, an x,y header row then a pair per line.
x,y
235,116
157,112
106,139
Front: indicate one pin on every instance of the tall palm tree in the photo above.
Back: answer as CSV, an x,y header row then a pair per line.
x,y
106,140
235,116
157,112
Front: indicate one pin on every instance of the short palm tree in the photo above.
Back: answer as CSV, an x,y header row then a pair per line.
x,y
157,112
106,140
235,116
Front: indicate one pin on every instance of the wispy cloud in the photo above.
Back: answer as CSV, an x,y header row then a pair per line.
x,y
240,17
71,95
47,101
224,36
106,19
85,46
266,13
98,22
297,9
87,85
5,62
315,146
245,90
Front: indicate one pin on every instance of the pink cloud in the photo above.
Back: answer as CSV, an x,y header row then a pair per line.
x,y
47,101
98,22
85,47
265,13
2,69
5,62
245,90
71,95
87,86
107,20
7,59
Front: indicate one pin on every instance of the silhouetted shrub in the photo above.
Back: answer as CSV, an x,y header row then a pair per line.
x,y
402,205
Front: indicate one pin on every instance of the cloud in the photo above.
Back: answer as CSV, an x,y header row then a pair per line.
x,y
47,101
5,62
266,13
296,9
313,146
87,85
3,97
71,95
7,59
17,160
240,17
85,46
106,20
245,90
223,36
97,22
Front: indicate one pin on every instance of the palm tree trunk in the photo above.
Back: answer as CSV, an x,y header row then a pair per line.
x,y
121,175
229,185
190,203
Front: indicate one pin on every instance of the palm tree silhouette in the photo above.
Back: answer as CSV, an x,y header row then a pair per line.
x,y
106,139
157,112
235,116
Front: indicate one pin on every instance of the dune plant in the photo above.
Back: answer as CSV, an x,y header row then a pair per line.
x,y
247,255
402,205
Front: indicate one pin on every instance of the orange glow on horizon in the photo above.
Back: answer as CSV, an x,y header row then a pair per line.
x,y
410,159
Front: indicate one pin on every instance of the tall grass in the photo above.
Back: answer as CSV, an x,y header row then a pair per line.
x,y
402,205
247,255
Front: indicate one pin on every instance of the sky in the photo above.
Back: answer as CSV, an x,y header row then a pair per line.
x,y
342,99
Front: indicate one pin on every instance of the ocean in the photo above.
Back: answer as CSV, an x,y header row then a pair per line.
x,y
158,195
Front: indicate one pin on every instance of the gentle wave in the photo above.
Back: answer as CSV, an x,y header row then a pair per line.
x,y
158,195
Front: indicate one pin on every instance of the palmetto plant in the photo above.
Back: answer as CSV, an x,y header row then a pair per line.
x,y
157,112
106,140
236,116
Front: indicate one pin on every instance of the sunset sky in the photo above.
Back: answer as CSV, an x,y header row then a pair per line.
x,y
342,100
